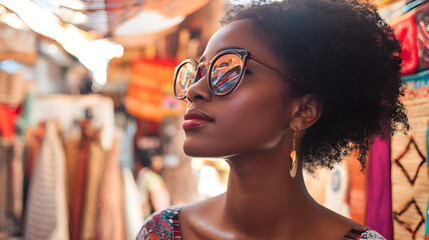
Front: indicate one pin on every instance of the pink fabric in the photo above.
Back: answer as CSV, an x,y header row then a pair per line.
x,y
379,190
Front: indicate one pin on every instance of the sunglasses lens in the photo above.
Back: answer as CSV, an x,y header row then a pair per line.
x,y
225,73
184,79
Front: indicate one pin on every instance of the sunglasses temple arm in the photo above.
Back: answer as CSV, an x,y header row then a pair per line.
x,y
277,70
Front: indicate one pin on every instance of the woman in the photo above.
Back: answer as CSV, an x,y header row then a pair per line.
x,y
317,79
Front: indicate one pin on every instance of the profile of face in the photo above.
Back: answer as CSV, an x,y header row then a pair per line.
x,y
253,117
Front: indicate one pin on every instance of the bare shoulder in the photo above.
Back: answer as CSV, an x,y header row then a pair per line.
x,y
347,228
200,209
196,217
331,224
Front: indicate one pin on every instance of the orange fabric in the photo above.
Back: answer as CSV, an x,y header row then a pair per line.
x,y
34,138
357,191
150,92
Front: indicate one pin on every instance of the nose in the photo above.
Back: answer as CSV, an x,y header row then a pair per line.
x,y
199,90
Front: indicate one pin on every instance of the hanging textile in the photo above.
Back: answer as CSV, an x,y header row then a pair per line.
x,y
16,182
132,203
46,213
379,194
411,29
150,93
410,181
110,218
357,190
68,108
410,4
95,169
72,170
7,121
76,217
6,156
33,141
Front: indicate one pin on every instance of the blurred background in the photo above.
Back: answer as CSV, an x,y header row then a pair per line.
x,y
91,136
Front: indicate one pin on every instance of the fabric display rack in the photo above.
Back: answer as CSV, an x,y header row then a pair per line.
x,y
66,155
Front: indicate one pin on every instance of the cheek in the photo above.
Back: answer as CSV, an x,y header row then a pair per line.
x,y
244,122
255,122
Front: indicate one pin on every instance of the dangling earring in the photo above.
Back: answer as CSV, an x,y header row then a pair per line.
x,y
294,164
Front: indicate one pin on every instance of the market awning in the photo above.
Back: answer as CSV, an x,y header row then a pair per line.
x,y
128,16
80,26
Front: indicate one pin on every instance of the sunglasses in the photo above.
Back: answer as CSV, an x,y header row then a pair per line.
x,y
225,72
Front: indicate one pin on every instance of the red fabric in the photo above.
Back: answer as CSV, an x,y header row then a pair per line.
x,y
406,31
7,121
411,29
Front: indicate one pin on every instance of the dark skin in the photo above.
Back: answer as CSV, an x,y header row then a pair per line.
x,y
253,130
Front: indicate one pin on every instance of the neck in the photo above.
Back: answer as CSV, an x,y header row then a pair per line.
x,y
262,197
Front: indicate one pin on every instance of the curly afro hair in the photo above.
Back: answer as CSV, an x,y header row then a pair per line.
x,y
347,55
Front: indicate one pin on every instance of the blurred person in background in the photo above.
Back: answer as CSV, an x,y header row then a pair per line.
x,y
153,191
280,87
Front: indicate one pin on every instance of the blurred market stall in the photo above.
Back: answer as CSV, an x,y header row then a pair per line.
x,y
89,125
90,132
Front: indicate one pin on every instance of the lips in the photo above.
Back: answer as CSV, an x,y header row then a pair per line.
x,y
195,118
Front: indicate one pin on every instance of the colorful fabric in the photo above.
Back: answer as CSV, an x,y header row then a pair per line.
x,y
410,182
7,121
80,181
362,233
411,30
149,93
110,220
95,169
357,190
16,179
379,192
411,4
165,225
162,225
132,205
427,208
46,213
5,157
427,225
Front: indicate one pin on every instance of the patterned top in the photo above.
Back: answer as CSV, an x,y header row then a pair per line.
x,y
164,225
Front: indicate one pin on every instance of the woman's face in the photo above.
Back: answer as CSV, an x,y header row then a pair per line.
x,y
252,118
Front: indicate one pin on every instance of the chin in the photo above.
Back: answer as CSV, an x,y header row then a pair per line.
x,y
203,151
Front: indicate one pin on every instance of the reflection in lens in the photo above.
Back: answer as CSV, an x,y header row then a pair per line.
x,y
184,79
225,73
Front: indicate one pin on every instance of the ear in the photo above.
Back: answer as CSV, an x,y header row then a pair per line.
x,y
306,111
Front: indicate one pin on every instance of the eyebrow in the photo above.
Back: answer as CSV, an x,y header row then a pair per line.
x,y
203,58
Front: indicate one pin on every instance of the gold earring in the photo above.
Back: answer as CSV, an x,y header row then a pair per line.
x,y
294,163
